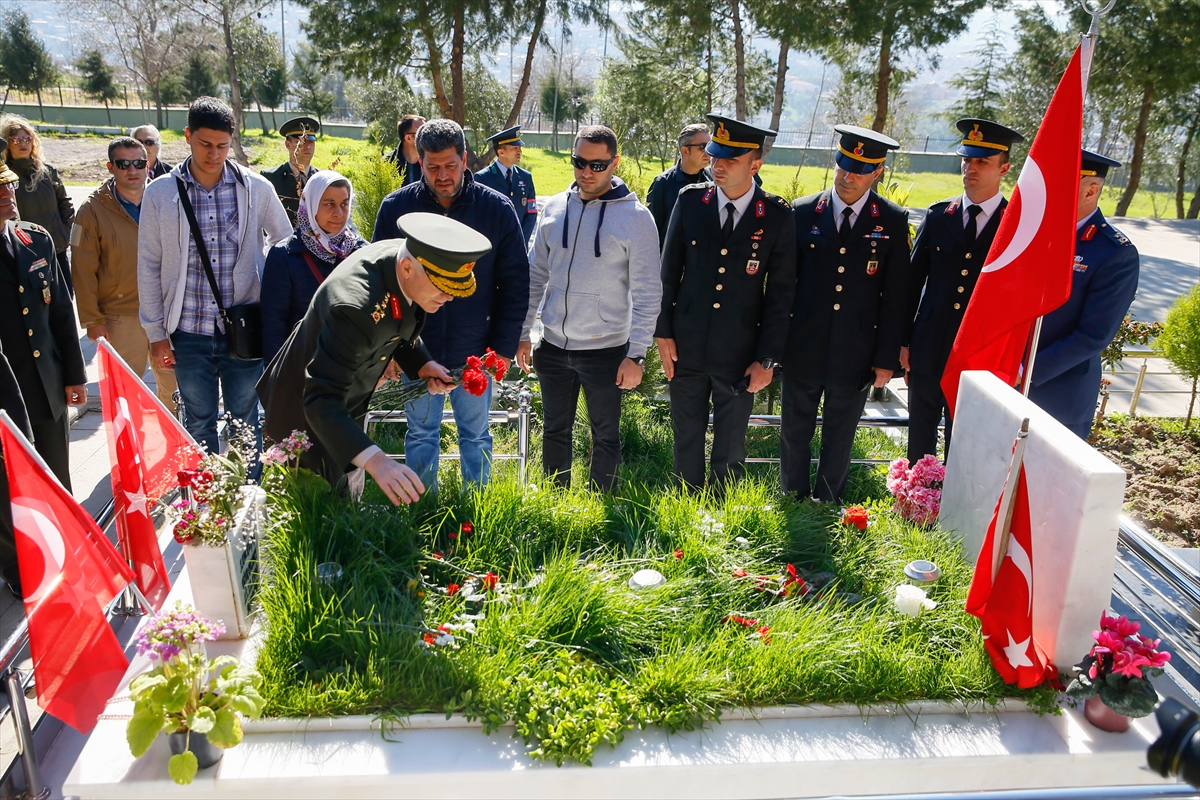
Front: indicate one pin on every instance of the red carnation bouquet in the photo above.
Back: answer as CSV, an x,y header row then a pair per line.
x,y
473,376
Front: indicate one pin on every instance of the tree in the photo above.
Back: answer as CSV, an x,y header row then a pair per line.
x,y
1179,341
562,101
381,103
487,106
198,77
26,61
272,89
259,52
308,85
99,79
980,83
891,30
150,38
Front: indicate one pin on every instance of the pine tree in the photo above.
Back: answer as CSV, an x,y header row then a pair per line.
x,y
99,79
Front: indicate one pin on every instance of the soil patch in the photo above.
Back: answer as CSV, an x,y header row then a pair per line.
x,y
1162,459
81,160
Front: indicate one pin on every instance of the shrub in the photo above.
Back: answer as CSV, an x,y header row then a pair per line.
x,y
1179,341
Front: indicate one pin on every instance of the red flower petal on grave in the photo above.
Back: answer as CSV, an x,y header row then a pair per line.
x,y
452,589
490,580
679,554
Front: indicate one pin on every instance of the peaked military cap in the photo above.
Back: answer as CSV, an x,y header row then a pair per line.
x,y
446,248
299,126
732,138
983,138
507,136
7,176
861,150
1094,165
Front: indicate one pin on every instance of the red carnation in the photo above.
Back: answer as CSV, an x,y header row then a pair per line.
x,y
467,529
474,381
430,638
180,532
764,634
856,516
185,477
438,555
739,573
452,589
490,360
474,363
490,580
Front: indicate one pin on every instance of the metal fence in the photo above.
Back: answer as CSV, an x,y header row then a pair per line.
x,y
1139,384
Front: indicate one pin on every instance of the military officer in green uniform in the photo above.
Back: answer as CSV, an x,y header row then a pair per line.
x,y
300,138
37,329
368,313
512,181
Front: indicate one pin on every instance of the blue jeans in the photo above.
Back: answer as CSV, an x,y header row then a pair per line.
x,y
200,363
422,443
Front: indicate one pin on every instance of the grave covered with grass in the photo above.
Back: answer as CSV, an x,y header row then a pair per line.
x,y
514,604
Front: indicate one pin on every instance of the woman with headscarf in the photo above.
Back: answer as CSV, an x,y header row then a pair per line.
x,y
294,269
41,196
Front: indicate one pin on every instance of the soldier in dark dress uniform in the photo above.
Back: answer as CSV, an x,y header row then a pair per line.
x,y
37,330
508,179
850,316
728,275
300,139
368,312
691,167
951,246
1067,370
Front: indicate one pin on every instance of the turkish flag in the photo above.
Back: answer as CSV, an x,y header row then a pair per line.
x,y
69,572
147,447
1027,273
1005,606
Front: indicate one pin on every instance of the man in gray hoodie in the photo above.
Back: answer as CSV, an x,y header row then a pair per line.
x,y
594,276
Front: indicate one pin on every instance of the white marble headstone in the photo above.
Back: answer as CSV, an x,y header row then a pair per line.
x,y
1075,497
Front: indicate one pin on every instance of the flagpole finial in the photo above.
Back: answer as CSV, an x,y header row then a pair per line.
x,y
1097,11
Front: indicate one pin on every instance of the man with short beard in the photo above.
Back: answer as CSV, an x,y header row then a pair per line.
x,y
491,317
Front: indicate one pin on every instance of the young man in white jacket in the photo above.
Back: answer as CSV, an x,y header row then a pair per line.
x,y
594,275
239,217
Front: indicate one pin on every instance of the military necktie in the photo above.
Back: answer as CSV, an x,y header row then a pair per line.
x,y
844,230
972,231
508,177
727,228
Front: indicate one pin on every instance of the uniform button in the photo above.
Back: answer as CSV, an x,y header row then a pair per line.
x,y
754,246
719,287
966,272
841,269
812,245
693,241
957,306
394,338
968,256
724,252
938,249
716,305
37,354
24,311
383,358
31,331
842,251
837,307
838,287
961,290
41,274
21,288
721,270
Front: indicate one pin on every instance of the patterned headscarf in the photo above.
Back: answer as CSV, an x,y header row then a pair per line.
x,y
325,246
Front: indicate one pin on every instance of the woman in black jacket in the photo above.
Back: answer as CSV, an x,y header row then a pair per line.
x,y
41,196
294,269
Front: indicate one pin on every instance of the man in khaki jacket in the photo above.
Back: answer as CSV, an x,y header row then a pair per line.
x,y
104,253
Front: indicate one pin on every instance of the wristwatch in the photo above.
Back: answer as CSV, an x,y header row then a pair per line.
x,y
639,360
768,363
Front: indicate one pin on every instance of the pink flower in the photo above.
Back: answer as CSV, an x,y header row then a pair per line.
x,y
1119,625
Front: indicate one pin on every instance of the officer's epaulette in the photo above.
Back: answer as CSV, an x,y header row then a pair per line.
x,y
941,204
694,186
777,199
22,225
1115,234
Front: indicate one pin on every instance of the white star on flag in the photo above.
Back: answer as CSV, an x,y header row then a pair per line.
x,y
1017,653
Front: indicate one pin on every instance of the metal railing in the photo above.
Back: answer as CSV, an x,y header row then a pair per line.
x,y
1139,384
16,685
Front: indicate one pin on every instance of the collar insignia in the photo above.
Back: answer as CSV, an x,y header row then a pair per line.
x,y
874,209
395,303
760,209
25,238
1088,233
708,195
821,205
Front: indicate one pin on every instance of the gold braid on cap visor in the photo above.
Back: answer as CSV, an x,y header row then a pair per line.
x,y
458,283
722,137
508,141
974,143
863,159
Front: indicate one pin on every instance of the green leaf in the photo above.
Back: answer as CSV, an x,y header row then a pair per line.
x,y
1136,701
249,704
142,730
227,729
183,767
201,720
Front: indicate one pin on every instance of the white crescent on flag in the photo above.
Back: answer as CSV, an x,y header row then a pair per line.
x,y
1031,191
30,520
1022,562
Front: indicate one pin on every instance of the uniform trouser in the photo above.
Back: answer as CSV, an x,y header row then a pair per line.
x,y
843,407
9,569
690,393
926,406
128,338
52,440
561,374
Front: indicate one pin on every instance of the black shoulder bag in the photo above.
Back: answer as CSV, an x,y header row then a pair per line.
x,y
243,324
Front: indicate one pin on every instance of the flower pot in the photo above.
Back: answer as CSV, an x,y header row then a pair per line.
x,y
221,577
206,752
1104,717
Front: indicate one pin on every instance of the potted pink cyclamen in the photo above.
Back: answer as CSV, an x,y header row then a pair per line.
x,y
1113,681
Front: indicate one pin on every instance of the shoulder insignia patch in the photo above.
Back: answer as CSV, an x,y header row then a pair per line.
x,y
952,208
760,209
780,200
25,238
380,307
1088,233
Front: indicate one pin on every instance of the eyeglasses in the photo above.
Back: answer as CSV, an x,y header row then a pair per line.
x,y
20,139
148,142
594,166
308,137
125,163
697,144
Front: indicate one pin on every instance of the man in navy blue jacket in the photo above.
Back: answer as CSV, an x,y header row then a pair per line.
x,y
491,317
1066,372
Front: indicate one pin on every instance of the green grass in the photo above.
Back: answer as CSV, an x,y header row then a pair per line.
x,y
564,648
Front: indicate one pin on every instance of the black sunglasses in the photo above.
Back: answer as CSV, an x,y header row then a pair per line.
x,y
594,166
125,163
148,142
308,137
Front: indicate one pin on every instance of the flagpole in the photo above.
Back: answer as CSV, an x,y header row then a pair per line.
x,y
1008,498
1087,43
